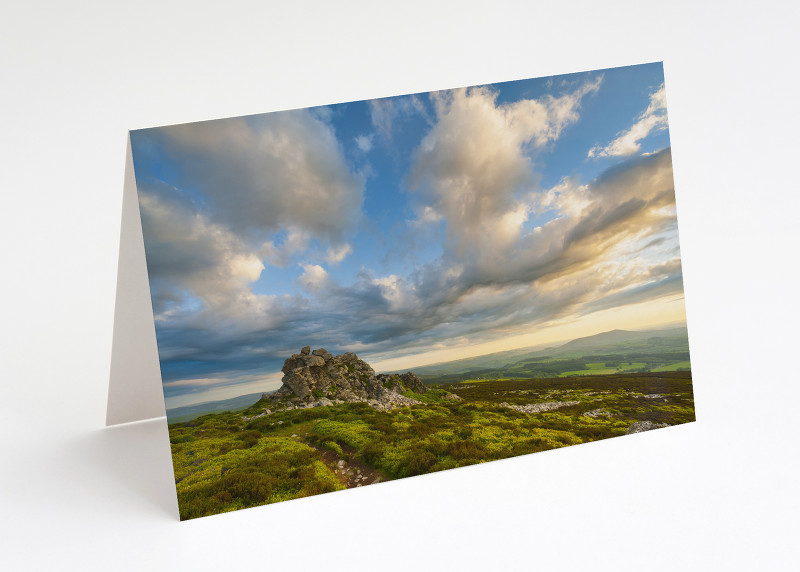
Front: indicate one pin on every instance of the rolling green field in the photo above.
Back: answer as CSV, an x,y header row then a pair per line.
x,y
602,368
607,353
235,460
679,366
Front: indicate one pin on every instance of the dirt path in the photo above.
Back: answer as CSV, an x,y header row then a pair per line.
x,y
352,473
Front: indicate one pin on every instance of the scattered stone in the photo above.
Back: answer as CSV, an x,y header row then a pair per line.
x,y
598,413
262,414
539,407
641,426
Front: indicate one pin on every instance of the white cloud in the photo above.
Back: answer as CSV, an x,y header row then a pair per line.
x,y
188,255
429,215
364,143
475,162
338,253
653,118
503,271
296,241
314,277
383,112
255,191
394,291
600,244
266,174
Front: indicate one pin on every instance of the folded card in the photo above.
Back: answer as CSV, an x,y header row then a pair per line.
x,y
354,293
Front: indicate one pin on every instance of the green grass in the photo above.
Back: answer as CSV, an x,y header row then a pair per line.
x,y
637,358
681,365
599,368
223,462
488,379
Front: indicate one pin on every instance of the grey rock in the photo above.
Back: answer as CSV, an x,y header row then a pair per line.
x,y
298,381
539,407
595,413
323,353
403,382
641,426
317,379
412,382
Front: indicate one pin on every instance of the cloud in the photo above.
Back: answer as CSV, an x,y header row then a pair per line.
x,y
314,277
602,243
280,251
245,194
514,256
627,143
188,391
260,175
601,251
474,163
384,112
364,143
338,253
191,259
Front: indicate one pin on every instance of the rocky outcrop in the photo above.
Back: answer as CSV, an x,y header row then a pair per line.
x,y
318,378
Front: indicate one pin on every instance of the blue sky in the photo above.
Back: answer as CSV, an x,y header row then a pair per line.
x,y
411,229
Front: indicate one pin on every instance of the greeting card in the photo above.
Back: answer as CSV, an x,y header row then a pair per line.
x,y
366,291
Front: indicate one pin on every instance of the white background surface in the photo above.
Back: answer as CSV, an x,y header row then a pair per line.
x,y
717,494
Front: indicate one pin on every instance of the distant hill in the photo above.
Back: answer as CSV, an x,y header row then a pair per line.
x,y
189,412
607,352
622,340
616,350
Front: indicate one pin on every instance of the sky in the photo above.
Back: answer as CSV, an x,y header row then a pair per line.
x,y
411,230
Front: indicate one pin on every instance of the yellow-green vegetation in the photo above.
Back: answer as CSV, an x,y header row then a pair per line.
x,y
680,366
242,469
487,379
224,462
602,368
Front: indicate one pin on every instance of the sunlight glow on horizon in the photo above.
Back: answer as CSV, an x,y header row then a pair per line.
x,y
664,312
644,316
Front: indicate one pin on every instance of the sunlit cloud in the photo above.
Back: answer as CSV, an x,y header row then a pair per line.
x,y
629,142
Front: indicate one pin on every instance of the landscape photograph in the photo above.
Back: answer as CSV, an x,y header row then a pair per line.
x,y
355,293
